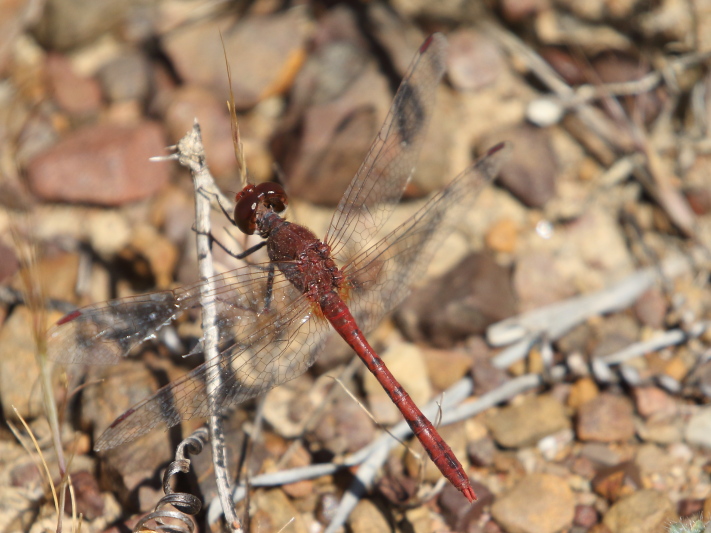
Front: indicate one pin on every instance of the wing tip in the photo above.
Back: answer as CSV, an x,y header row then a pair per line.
x,y
437,37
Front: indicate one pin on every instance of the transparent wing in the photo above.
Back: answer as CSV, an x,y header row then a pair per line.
x,y
380,180
277,349
380,276
268,334
105,332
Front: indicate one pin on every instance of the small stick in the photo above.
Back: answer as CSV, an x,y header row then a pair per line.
x,y
191,154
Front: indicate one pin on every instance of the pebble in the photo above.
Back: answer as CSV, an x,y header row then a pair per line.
x,y
698,428
62,269
67,24
676,368
654,402
274,512
520,10
367,517
458,512
538,281
189,102
486,376
109,231
474,61
606,418
395,485
446,367
615,482
582,391
345,427
126,77
539,503
103,164
699,198
651,308
87,495
661,432
258,72
332,125
585,516
645,511
114,390
17,366
690,507
502,236
530,174
525,424
481,452
73,93
464,302
600,454
9,263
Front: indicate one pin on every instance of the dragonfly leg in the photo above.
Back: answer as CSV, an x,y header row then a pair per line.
x,y
241,255
217,198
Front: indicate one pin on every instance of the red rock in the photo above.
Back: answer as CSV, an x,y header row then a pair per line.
x,y
699,199
653,401
690,508
585,516
103,164
570,68
87,494
73,93
606,418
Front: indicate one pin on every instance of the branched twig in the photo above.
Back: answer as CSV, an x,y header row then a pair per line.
x,y
556,319
191,154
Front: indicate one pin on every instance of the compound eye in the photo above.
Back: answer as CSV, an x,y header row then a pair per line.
x,y
273,196
246,205
248,201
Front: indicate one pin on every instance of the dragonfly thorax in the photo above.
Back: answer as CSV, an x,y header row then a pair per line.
x,y
302,257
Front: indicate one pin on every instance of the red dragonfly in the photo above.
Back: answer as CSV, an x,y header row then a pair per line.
x,y
273,318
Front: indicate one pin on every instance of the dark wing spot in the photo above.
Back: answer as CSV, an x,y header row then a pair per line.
x,y
410,118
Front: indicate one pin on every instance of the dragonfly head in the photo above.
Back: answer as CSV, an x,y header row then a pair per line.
x,y
255,200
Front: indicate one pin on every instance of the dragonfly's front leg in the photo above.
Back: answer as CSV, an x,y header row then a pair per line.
x,y
216,196
241,255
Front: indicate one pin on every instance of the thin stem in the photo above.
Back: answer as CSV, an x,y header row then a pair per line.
x,y
192,155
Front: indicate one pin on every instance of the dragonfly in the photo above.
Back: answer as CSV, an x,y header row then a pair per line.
x,y
273,318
